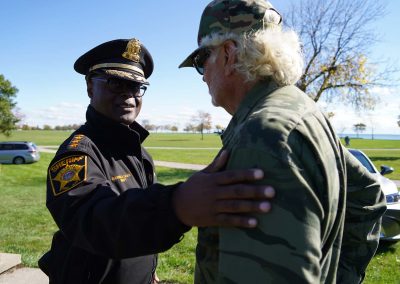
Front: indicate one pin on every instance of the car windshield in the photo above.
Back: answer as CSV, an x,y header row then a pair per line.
x,y
363,161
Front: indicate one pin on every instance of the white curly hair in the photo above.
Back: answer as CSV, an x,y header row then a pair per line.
x,y
272,52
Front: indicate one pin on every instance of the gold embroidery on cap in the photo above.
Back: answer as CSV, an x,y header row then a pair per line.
x,y
117,65
118,73
132,51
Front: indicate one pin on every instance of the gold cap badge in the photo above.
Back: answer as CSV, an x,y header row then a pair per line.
x,y
132,51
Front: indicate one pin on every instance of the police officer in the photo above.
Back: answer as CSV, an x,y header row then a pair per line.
x,y
113,217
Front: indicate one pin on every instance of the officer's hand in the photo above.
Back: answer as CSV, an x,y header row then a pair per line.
x,y
211,198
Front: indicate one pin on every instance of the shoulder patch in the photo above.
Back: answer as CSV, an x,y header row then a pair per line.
x,y
68,173
73,144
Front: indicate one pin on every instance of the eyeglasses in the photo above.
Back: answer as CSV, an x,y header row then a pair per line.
x,y
201,58
119,86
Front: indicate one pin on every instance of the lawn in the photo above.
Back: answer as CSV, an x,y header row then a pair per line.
x,y
26,226
40,137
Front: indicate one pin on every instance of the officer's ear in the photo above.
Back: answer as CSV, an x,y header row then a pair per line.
x,y
89,85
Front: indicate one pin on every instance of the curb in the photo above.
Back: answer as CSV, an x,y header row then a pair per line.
x,y
8,261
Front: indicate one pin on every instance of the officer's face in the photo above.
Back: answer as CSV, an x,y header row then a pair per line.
x,y
117,99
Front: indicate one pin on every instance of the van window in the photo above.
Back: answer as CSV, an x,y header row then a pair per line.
x,y
21,147
8,147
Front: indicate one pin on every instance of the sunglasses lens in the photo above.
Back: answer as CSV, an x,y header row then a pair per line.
x,y
200,59
200,70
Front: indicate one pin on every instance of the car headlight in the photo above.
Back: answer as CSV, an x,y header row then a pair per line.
x,y
393,198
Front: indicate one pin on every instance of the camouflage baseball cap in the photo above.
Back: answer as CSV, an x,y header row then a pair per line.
x,y
234,16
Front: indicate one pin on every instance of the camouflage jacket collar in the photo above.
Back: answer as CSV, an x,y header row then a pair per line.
x,y
259,91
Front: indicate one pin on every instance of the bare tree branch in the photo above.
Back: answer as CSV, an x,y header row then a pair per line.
x,y
337,37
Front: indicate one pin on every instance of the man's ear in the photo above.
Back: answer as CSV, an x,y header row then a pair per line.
x,y
230,56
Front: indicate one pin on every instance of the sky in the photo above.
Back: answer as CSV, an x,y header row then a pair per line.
x,y
40,41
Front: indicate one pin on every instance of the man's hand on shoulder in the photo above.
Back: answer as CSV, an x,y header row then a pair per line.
x,y
212,198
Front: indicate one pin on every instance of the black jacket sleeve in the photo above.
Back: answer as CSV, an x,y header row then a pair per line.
x,y
94,216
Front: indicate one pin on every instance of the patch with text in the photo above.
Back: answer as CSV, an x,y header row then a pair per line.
x,y
68,173
121,178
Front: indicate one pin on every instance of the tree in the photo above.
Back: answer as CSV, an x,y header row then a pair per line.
x,y
189,127
174,128
359,127
26,127
204,122
219,128
147,125
8,120
337,36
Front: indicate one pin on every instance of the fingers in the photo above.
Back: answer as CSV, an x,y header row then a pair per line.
x,y
244,191
218,163
236,176
228,220
243,206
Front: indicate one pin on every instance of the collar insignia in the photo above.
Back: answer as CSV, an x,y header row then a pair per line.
x,y
75,141
132,51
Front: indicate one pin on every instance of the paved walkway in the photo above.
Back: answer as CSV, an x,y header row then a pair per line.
x,y
24,275
11,271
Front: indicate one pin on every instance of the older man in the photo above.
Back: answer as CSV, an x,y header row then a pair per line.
x,y
250,64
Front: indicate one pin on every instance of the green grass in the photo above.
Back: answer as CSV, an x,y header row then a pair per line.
x,y
373,144
203,157
187,140
177,264
384,268
386,157
52,137
40,137
26,227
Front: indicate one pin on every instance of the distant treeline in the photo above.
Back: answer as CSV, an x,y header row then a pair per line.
x,y
49,127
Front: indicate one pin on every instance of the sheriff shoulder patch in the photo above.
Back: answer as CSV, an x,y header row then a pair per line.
x,y
68,173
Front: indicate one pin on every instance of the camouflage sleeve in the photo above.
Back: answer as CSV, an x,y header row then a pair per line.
x,y
365,207
286,246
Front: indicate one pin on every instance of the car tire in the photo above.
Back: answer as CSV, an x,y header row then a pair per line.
x,y
19,160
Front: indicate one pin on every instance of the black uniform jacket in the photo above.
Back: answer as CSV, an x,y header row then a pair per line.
x,y
112,216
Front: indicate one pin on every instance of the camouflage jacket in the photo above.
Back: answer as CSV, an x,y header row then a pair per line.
x,y
281,131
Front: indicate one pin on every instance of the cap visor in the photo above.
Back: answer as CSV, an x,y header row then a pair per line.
x,y
188,62
125,75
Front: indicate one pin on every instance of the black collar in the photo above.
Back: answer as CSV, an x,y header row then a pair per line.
x,y
113,133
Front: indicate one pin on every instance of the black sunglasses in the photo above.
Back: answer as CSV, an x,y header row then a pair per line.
x,y
200,59
118,86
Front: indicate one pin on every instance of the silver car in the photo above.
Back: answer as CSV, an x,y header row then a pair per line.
x,y
390,230
18,153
